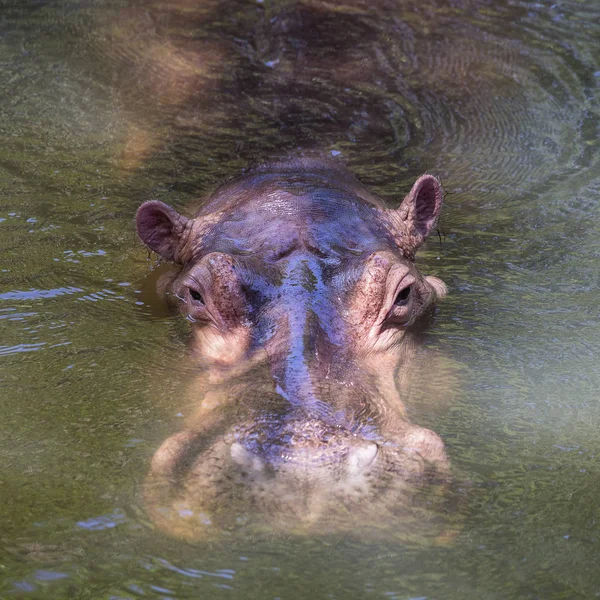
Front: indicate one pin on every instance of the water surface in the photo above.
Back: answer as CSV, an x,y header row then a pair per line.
x,y
107,103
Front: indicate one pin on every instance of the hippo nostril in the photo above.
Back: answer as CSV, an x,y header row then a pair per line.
x,y
360,458
245,458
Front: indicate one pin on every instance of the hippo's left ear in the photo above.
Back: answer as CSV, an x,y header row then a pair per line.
x,y
161,228
420,210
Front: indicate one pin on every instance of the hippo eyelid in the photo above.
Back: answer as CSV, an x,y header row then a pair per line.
x,y
195,289
406,282
398,309
194,282
403,296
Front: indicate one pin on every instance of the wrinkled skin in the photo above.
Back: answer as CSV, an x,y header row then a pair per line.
x,y
305,306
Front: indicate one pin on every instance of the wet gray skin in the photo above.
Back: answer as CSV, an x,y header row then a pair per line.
x,y
305,307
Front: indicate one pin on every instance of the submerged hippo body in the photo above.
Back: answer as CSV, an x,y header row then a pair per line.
x,y
305,306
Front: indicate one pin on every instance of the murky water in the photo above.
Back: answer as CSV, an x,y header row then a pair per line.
x,y
106,103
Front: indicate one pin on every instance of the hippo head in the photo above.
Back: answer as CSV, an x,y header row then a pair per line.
x,y
303,298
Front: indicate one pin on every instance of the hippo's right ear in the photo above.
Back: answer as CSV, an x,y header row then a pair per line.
x,y
160,227
420,210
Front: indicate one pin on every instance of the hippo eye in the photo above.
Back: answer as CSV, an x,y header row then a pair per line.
x,y
196,296
403,296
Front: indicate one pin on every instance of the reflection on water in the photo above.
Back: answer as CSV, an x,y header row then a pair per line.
x,y
104,104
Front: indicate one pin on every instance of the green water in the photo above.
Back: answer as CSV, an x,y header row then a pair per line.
x,y
107,103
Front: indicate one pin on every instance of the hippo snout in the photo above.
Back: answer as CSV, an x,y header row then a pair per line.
x,y
313,446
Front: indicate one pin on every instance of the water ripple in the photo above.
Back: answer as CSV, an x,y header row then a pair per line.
x,y
5,350
33,294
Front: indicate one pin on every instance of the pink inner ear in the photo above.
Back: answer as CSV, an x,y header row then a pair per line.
x,y
160,228
427,201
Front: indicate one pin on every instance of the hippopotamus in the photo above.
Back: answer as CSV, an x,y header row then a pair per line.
x,y
306,309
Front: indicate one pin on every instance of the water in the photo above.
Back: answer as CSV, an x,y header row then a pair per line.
x,y
107,103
